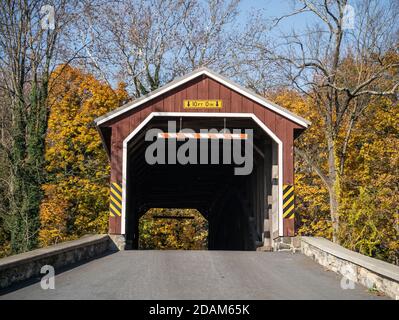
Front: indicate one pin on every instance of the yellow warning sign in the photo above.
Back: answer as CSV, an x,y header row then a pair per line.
x,y
115,205
202,104
288,202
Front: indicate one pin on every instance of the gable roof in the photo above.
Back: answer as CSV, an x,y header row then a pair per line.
x,y
213,75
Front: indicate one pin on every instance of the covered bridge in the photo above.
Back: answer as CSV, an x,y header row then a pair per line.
x,y
244,212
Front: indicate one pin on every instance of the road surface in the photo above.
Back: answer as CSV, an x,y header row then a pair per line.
x,y
195,275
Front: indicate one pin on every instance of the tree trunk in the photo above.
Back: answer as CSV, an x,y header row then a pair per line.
x,y
334,214
334,189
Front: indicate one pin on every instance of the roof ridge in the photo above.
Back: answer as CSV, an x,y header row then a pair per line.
x,y
192,75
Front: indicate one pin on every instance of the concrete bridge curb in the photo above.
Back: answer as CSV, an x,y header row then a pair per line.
x,y
372,273
26,265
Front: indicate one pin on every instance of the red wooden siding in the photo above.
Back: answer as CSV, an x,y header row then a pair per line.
x,y
202,88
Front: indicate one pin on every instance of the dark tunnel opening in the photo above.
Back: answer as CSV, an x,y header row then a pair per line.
x,y
235,206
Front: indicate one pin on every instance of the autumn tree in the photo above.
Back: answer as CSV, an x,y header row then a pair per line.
x,y
342,68
77,194
370,199
370,221
311,194
29,38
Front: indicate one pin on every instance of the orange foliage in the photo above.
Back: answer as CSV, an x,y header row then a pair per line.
x,y
76,200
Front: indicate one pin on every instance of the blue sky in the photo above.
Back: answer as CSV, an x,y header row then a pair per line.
x,y
275,8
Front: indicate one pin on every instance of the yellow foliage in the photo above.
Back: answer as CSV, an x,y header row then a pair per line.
x,y
188,233
370,216
52,217
369,190
311,196
76,198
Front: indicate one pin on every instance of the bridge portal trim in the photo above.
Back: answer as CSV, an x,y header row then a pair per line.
x,y
252,116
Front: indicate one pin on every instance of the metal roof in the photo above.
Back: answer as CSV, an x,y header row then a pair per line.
x,y
213,75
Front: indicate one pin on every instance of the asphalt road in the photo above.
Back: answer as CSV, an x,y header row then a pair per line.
x,y
195,275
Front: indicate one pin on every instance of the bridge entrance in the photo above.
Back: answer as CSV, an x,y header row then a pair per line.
x,y
234,205
244,210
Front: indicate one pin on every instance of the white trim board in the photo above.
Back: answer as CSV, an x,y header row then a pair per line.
x,y
210,114
195,74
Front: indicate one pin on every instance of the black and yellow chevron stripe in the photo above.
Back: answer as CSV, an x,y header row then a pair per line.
x,y
115,205
288,201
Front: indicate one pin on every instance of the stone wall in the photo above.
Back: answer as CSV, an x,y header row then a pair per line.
x,y
369,272
26,265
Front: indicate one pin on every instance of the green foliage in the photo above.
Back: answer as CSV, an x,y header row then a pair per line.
x,y
27,169
188,233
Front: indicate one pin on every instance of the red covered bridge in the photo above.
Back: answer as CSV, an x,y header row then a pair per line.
x,y
244,212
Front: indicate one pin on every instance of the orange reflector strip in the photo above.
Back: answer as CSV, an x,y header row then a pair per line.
x,y
185,135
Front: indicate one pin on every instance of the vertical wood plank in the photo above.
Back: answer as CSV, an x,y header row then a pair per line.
x,y
192,94
214,93
259,112
270,119
236,102
247,105
203,89
158,105
289,153
178,103
225,96
169,103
